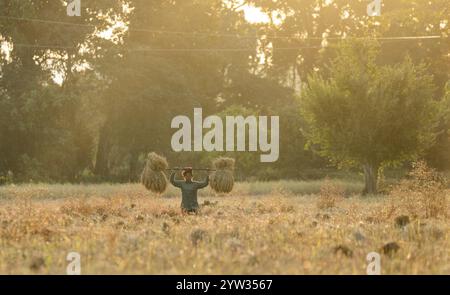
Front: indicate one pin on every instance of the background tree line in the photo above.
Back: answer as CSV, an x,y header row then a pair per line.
x,y
78,106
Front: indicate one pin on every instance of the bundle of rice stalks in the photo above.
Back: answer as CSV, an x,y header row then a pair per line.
x,y
222,179
157,162
224,163
153,177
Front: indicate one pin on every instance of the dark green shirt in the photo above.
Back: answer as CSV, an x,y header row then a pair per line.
x,y
188,191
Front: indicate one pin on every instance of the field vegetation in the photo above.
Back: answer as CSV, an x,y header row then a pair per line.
x,y
285,227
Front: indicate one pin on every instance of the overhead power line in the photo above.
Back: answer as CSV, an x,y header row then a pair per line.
x,y
149,49
219,34
43,46
53,22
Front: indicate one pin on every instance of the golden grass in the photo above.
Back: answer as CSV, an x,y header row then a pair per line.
x,y
121,229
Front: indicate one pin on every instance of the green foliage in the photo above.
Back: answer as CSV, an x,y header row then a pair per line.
x,y
8,178
438,155
96,125
369,114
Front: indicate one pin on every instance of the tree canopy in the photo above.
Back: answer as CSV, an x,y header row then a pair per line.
x,y
368,114
85,98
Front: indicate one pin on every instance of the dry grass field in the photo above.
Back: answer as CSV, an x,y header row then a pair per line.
x,y
266,228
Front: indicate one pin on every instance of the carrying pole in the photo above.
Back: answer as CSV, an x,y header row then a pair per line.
x,y
198,169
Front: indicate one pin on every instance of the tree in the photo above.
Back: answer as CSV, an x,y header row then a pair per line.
x,y
307,23
369,115
44,134
438,155
149,88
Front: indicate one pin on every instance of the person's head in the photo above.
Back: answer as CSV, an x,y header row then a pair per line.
x,y
187,173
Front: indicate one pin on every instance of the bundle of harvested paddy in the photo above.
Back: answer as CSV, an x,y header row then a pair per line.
x,y
222,179
153,177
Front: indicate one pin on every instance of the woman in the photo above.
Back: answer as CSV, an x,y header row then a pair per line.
x,y
189,189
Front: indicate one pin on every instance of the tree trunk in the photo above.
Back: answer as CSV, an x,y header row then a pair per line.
x,y
101,161
133,165
370,179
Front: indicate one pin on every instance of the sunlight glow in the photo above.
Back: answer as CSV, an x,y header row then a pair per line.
x,y
5,49
255,15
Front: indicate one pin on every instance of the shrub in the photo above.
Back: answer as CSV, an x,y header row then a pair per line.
x,y
423,193
8,178
330,193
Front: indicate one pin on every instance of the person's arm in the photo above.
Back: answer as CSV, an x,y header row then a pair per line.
x,y
174,182
203,184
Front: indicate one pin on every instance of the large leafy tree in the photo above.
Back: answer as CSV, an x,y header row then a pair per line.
x,y
370,115
43,133
161,75
175,58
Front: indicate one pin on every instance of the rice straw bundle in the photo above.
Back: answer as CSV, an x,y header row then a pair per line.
x,y
222,179
153,177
